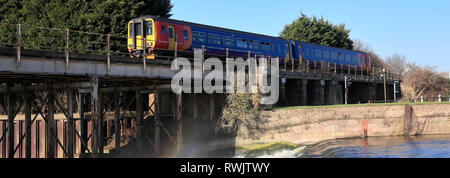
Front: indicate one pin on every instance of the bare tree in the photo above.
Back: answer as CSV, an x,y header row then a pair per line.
x,y
375,60
424,81
396,64
358,45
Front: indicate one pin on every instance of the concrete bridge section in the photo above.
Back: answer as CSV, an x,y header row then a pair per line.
x,y
101,105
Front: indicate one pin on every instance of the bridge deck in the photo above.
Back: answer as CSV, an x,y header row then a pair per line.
x,y
53,63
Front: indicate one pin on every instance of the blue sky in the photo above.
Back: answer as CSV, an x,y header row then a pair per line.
x,y
420,30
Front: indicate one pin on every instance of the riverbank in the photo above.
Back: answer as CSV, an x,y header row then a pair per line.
x,y
297,126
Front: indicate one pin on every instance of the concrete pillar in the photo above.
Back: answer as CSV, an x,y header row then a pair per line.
x,y
388,92
321,92
314,87
329,97
282,100
373,92
303,92
331,93
339,94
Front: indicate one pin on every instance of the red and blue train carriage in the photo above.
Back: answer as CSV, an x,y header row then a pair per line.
x,y
162,35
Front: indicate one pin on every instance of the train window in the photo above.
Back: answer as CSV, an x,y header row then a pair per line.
x,y
265,46
253,44
279,48
214,39
354,58
241,42
341,57
306,51
274,49
137,27
318,53
131,29
228,41
170,33
185,35
149,27
348,57
334,56
163,30
199,36
326,54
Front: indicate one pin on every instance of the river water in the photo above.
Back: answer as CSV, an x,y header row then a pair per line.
x,y
429,146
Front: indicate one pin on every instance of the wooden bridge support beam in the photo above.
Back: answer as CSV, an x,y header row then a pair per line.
x,y
27,123
194,106
179,110
70,128
83,124
211,107
11,103
116,119
139,120
50,124
100,122
157,126
95,108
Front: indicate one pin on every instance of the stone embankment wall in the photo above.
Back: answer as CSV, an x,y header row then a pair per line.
x,y
310,125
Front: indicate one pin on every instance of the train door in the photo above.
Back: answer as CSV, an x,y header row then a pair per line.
x,y
368,62
171,41
363,60
360,60
138,35
300,52
286,51
131,41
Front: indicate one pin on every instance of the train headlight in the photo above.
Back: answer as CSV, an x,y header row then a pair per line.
x,y
149,43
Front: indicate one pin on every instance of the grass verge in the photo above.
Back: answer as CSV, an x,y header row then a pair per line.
x,y
358,105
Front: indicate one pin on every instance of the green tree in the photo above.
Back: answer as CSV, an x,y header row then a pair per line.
x,y
97,16
318,31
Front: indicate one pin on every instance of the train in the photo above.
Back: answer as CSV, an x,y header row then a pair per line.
x,y
152,35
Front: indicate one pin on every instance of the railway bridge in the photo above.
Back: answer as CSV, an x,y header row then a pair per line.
x,y
95,102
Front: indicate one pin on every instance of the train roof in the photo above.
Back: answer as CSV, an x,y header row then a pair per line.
x,y
313,44
237,31
209,26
